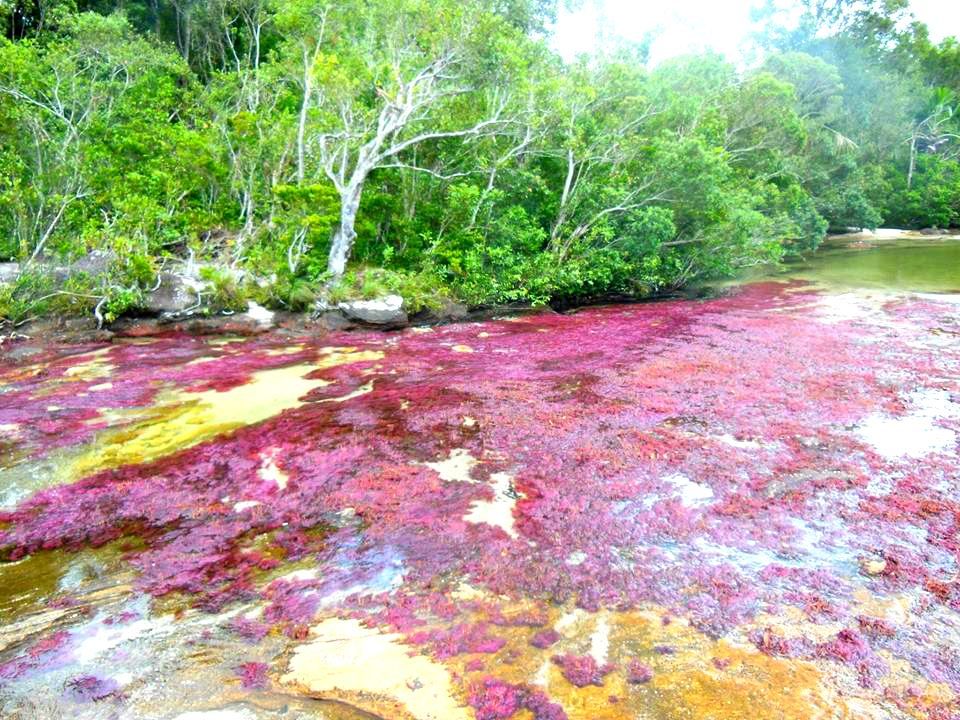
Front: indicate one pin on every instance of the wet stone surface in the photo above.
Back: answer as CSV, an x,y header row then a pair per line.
x,y
744,507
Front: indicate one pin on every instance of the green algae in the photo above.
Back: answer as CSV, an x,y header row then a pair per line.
x,y
24,584
28,584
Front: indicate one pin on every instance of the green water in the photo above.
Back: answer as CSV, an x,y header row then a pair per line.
x,y
912,266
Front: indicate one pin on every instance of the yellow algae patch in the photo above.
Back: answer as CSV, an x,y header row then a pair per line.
x,y
373,671
95,365
700,679
751,685
289,350
462,349
185,419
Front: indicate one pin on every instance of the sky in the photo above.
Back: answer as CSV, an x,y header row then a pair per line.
x,y
683,26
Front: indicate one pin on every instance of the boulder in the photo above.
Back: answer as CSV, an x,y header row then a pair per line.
x,y
258,315
448,311
94,264
175,294
9,272
334,320
382,311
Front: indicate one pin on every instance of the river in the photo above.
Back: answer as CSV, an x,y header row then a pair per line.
x,y
745,506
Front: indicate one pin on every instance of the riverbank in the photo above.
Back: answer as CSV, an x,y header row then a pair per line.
x,y
257,320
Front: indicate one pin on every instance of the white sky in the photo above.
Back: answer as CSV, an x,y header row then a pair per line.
x,y
683,26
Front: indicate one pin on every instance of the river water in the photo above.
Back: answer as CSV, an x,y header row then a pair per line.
x,y
740,507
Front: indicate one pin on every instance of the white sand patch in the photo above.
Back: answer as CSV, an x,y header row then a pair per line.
x,y
499,511
106,637
300,575
465,592
692,494
569,620
915,434
245,505
576,558
269,471
455,468
373,670
600,640
202,360
847,307
542,676
728,439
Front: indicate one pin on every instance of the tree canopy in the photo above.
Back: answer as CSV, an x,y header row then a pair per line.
x,y
441,148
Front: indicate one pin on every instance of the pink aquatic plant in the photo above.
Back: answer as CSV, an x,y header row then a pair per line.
x,y
581,670
90,688
494,699
458,640
545,638
249,629
253,674
638,673
677,453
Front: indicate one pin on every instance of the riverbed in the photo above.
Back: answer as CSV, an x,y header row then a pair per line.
x,y
746,506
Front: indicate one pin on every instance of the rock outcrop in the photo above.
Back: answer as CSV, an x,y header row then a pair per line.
x,y
175,295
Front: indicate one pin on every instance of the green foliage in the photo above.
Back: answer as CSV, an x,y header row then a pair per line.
x,y
226,291
420,291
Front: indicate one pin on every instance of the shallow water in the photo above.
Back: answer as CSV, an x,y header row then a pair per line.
x,y
930,266
742,507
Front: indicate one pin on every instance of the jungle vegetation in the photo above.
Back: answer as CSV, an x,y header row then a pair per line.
x,y
440,148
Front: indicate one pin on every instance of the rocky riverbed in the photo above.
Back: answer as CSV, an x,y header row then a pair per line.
x,y
741,507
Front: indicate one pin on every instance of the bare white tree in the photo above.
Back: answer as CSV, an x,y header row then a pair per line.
x,y
358,145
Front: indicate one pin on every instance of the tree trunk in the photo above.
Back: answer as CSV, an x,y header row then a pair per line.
x,y
302,121
913,161
345,233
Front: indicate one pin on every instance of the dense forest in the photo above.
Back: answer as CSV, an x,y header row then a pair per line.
x,y
302,149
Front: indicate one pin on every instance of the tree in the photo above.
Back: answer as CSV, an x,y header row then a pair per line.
x,y
381,80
